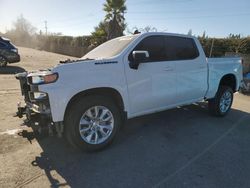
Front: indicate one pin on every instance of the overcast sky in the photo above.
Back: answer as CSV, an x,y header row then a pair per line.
x,y
78,17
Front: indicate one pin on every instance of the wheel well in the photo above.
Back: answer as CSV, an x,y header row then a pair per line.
x,y
105,91
229,80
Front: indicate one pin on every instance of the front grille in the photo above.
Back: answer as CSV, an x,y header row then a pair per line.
x,y
25,88
25,91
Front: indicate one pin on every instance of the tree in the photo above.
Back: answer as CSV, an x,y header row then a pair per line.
x,y
149,29
115,10
239,45
21,25
190,32
143,30
22,32
100,34
204,35
234,36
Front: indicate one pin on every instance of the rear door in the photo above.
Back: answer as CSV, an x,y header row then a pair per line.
x,y
191,68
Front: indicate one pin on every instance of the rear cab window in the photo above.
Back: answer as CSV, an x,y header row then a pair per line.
x,y
180,48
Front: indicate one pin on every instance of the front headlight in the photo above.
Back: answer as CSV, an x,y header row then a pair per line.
x,y
14,50
43,79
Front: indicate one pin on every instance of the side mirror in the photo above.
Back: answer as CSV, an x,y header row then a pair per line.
x,y
138,57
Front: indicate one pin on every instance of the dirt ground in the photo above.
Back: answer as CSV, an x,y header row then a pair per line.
x,y
183,147
13,149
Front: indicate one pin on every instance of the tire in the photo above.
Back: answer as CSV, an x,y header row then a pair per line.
x,y
3,61
221,104
81,117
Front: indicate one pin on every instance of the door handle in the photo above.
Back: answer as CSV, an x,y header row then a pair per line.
x,y
202,67
168,69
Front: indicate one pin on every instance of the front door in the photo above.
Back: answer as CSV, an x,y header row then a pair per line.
x,y
152,86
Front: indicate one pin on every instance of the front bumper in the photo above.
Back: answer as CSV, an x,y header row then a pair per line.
x,y
37,112
36,109
14,58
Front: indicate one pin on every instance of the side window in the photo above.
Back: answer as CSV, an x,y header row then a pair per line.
x,y
180,48
155,47
2,45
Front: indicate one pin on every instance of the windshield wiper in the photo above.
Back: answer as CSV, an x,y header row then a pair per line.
x,y
87,59
74,61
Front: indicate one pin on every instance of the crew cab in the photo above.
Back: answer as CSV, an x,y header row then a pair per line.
x,y
88,99
8,52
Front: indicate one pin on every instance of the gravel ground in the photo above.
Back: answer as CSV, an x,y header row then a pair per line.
x,y
182,147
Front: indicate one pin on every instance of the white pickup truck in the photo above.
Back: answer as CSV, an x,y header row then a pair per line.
x,y
88,99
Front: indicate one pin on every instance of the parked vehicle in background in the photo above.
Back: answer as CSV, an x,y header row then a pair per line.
x,y
8,52
245,87
126,77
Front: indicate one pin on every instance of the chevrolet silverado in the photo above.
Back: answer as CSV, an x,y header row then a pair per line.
x,y
87,100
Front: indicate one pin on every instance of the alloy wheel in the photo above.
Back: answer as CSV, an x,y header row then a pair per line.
x,y
225,101
96,125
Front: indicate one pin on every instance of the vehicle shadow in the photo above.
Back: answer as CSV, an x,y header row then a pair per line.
x,y
147,150
245,93
11,70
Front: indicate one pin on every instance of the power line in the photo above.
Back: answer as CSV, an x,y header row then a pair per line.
x,y
184,11
80,24
190,17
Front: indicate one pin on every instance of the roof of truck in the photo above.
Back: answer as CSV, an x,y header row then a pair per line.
x,y
165,33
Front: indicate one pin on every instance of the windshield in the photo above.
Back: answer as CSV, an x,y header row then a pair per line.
x,y
110,48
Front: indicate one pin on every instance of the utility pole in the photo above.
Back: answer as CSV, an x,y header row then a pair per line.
x,y
211,49
46,28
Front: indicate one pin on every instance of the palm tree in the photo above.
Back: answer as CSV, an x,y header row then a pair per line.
x,y
115,10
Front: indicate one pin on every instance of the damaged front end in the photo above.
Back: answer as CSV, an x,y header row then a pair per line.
x,y
37,107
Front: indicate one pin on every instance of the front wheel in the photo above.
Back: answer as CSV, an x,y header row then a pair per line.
x,y
221,104
92,122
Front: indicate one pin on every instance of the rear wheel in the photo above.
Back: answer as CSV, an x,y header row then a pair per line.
x,y
221,104
92,122
3,62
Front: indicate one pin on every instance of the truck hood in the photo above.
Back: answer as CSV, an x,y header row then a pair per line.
x,y
62,65
83,65
71,66
75,61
